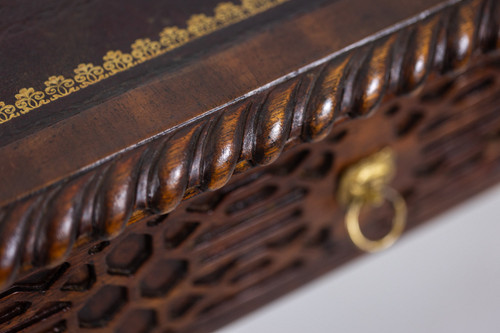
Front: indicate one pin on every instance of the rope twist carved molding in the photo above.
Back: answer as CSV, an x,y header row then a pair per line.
x,y
41,230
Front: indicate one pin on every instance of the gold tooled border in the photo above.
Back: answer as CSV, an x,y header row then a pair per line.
x,y
142,50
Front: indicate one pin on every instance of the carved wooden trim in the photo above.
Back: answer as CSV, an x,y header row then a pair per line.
x,y
153,178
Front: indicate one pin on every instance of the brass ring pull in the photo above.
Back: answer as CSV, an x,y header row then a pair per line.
x,y
398,223
366,183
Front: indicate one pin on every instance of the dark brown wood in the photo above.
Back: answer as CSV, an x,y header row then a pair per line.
x,y
269,230
111,160
163,104
153,177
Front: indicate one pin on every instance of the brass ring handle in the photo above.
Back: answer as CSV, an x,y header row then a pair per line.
x,y
366,182
398,223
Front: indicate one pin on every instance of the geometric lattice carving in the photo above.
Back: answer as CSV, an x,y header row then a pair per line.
x,y
38,281
129,255
12,310
44,312
139,320
222,253
81,279
101,307
163,277
174,237
154,176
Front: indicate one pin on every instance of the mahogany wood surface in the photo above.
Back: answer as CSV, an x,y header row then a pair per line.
x,y
224,253
112,158
162,103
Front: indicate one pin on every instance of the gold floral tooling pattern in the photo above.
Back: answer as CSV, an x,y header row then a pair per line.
x,y
142,50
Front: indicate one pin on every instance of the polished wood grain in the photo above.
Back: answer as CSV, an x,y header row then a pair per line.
x,y
152,177
224,253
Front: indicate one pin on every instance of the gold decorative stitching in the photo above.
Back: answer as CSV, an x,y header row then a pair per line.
x,y
58,86
173,37
7,112
87,74
29,99
144,49
116,61
228,13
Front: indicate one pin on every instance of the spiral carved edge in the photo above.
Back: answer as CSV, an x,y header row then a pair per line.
x,y
41,230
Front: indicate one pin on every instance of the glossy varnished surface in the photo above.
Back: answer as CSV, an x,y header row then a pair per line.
x,y
152,178
166,198
269,230
183,92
